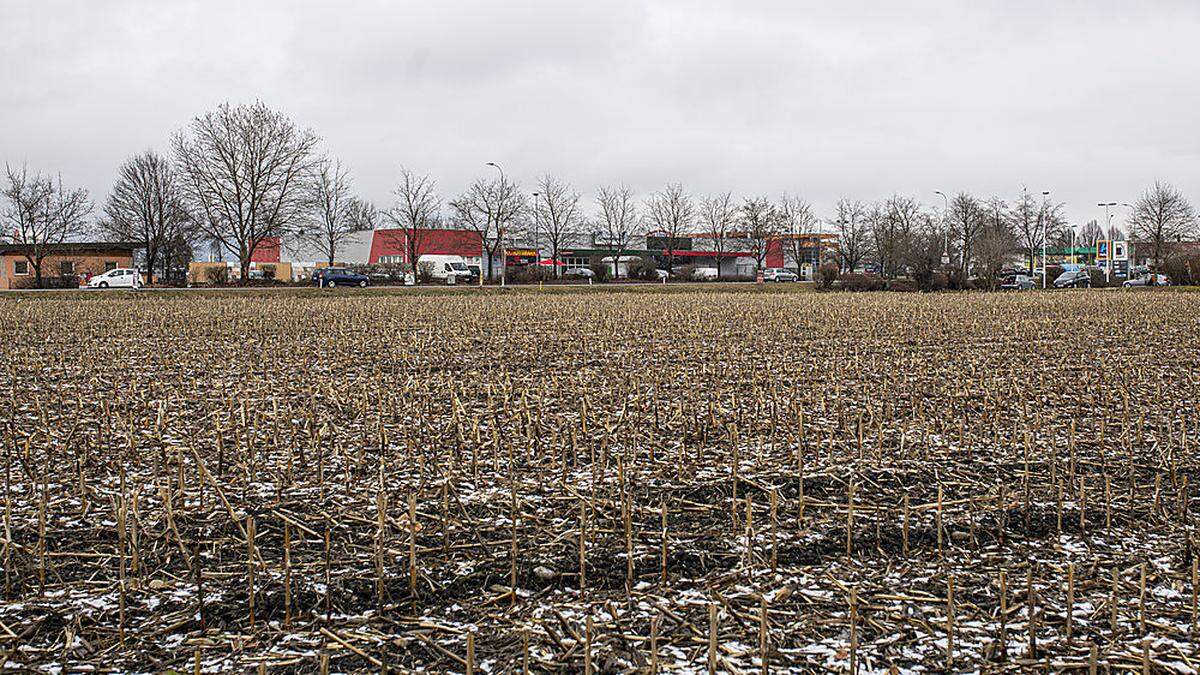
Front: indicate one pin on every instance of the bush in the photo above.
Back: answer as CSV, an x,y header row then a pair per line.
x,y
424,272
861,282
217,276
827,273
956,280
1052,272
645,269
1183,269
902,286
531,274
268,272
686,273
601,272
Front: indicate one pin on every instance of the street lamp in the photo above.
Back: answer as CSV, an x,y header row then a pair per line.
x,y
537,250
1045,239
945,228
1108,233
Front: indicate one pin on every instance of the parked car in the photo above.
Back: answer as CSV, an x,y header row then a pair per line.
x,y
121,277
1080,278
332,277
1148,280
1017,282
582,272
704,273
779,274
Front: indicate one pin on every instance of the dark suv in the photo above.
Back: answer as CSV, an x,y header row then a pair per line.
x,y
332,277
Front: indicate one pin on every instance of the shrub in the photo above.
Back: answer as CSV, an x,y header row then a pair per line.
x,y
861,282
424,272
268,272
217,276
902,286
1183,269
686,273
827,273
643,268
1052,272
601,272
956,280
530,274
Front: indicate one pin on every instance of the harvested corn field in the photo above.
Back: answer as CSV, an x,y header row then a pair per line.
x,y
592,481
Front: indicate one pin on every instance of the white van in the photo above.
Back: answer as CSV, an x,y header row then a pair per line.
x,y
443,266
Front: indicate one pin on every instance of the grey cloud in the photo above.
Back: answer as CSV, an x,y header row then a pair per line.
x,y
863,99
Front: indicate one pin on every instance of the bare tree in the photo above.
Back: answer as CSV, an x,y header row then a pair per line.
x,y
416,210
41,214
1091,232
853,233
363,215
489,208
967,219
331,219
147,206
760,223
1034,222
619,220
797,224
245,170
994,243
906,217
718,216
671,213
559,216
1162,217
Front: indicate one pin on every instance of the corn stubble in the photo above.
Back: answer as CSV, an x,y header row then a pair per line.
x,y
597,482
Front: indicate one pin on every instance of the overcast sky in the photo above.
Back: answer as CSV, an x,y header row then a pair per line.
x,y
1091,100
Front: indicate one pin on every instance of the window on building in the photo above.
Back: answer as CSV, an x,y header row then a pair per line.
x,y
66,268
20,267
110,265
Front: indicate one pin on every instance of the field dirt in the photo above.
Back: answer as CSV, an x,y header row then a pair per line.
x,y
586,481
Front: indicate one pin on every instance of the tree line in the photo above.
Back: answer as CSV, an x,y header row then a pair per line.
x,y
242,174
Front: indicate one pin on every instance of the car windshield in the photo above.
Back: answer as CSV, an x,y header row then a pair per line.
x,y
458,267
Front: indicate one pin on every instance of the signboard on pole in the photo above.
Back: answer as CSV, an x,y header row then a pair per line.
x,y
1120,251
1103,250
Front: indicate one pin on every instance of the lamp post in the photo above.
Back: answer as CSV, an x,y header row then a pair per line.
x,y
1045,240
499,233
1108,233
945,228
537,231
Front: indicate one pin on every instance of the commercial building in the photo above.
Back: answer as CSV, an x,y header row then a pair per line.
x,y
69,263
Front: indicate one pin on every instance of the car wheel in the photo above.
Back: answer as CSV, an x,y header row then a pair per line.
x,y
362,284
103,284
331,283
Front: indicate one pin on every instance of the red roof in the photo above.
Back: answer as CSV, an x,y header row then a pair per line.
x,y
707,254
429,242
267,251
